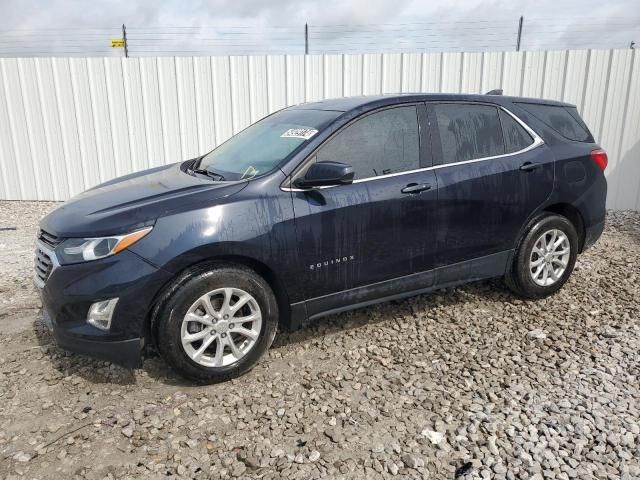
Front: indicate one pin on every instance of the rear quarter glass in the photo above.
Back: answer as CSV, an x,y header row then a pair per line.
x,y
563,120
515,136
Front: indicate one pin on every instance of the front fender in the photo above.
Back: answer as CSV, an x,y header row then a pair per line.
x,y
252,225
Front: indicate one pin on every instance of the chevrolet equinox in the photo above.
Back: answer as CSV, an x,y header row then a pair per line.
x,y
316,209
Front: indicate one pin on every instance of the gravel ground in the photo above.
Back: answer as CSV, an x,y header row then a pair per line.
x,y
463,383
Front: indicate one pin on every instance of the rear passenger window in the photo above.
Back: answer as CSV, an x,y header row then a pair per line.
x,y
468,132
378,144
561,120
516,137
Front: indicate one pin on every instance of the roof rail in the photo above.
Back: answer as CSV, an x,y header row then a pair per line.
x,y
497,91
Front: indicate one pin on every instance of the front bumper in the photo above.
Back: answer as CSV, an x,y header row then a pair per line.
x,y
69,291
126,353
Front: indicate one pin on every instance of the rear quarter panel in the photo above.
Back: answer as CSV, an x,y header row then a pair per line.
x,y
578,180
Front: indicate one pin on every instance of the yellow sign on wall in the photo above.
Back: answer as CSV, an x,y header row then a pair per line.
x,y
117,43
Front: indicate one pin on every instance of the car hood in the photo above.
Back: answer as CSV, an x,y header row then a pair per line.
x,y
134,201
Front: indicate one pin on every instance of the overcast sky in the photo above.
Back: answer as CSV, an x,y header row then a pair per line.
x,y
244,26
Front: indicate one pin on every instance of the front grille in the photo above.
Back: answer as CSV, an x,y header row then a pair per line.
x,y
43,265
49,239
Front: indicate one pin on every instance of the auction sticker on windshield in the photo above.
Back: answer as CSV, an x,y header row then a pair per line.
x,y
303,132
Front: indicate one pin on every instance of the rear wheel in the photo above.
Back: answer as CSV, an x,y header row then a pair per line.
x,y
218,324
544,258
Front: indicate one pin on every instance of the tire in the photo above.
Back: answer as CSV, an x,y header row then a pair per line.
x,y
520,276
189,297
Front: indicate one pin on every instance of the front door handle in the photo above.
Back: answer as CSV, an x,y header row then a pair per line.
x,y
529,167
414,188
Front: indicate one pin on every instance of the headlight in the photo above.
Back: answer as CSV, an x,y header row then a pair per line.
x,y
75,250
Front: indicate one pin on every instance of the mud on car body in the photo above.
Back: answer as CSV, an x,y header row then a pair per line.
x,y
316,209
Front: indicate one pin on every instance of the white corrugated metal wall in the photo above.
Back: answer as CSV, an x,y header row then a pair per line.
x,y
67,124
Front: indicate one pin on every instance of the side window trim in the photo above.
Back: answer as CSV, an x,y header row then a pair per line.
x,y
537,140
534,109
504,131
423,156
437,145
434,147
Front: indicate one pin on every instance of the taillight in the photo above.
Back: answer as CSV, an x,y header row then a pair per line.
x,y
599,156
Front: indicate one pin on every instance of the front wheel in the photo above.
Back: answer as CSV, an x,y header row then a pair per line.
x,y
545,257
218,323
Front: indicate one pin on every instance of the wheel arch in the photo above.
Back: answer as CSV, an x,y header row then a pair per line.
x,y
560,208
268,274
574,216
270,277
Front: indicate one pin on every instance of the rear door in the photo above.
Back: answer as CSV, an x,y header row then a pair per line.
x,y
378,228
493,172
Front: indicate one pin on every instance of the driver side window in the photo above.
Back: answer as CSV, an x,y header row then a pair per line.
x,y
380,143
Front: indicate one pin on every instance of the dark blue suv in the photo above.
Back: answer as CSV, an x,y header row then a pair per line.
x,y
316,209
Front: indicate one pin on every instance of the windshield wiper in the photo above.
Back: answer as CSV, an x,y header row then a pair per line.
x,y
209,173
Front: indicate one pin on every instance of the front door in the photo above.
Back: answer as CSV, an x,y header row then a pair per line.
x,y
492,175
355,238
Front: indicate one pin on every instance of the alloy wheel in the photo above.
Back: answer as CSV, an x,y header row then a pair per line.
x,y
221,327
549,257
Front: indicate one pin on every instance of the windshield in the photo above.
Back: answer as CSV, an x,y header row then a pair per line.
x,y
261,147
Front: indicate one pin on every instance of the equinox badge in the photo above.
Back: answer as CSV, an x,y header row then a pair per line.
x,y
333,261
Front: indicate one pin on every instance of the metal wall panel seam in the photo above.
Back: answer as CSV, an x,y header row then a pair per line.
x,y
625,124
149,81
213,103
18,174
195,105
503,56
29,128
179,136
362,74
98,133
231,106
635,75
523,67
53,129
441,82
565,76
544,73
420,73
482,67
586,78
80,127
344,75
382,63
402,72
606,91
53,175
78,132
65,147
143,116
4,155
250,75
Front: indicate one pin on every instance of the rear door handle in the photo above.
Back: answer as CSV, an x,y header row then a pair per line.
x,y
414,188
529,167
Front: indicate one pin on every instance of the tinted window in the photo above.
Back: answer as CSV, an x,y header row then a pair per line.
x,y
573,111
262,146
378,144
468,131
561,120
516,137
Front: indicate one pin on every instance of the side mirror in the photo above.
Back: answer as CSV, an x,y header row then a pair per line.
x,y
324,174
